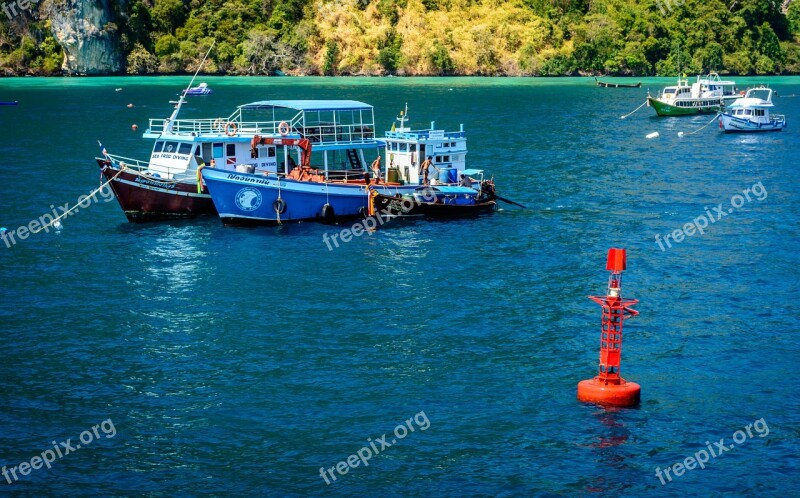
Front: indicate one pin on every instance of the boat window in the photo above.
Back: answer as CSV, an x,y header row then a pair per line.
x,y
185,148
159,146
403,147
412,147
171,147
230,150
218,150
748,112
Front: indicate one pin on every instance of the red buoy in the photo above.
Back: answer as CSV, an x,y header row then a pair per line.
x,y
608,387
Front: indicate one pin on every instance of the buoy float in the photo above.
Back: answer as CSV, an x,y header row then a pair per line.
x,y
652,135
680,133
134,127
608,387
130,105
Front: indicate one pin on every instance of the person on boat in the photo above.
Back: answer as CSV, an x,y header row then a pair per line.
x,y
213,163
465,181
423,169
376,169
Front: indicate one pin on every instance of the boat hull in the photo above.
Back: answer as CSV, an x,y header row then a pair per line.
x,y
732,124
664,109
143,199
246,199
406,206
605,84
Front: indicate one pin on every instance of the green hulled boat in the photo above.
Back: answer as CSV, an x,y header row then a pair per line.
x,y
706,96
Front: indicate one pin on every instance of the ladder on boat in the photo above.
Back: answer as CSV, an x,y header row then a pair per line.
x,y
352,156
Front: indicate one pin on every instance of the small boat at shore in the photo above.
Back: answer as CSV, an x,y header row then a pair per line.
x,y
201,89
608,84
751,113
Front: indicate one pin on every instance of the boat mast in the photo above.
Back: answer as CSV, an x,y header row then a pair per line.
x,y
181,99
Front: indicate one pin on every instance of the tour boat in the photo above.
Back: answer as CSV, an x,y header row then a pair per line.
x,y
201,89
752,113
707,95
325,149
166,185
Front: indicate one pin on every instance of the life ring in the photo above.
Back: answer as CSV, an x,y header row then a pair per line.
x,y
328,214
283,128
231,128
279,206
218,124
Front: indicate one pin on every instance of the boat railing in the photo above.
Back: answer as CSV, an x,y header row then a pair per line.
x,y
425,135
319,134
143,168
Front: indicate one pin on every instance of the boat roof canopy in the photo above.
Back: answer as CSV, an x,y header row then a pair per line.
x,y
309,105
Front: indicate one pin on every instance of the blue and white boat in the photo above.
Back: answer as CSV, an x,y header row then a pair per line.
x,y
201,89
308,160
752,113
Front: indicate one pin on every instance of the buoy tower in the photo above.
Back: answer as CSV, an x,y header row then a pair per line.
x,y
608,387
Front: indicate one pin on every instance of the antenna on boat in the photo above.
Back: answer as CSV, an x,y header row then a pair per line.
x,y
403,117
181,99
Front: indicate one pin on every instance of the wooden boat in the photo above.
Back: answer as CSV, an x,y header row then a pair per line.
x,y
439,201
606,84
751,113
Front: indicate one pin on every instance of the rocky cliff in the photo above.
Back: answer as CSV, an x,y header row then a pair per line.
x,y
85,31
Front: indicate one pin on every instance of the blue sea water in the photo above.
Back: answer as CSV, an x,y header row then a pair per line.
x,y
235,361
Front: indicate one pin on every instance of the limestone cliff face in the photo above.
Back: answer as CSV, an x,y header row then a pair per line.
x,y
85,31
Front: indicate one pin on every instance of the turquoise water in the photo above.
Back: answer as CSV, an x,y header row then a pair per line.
x,y
241,361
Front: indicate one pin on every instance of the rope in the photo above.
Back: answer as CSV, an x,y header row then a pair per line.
x,y
625,116
98,189
278,211
680,134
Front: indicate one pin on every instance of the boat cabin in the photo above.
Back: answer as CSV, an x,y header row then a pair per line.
x,y
337,133
406,149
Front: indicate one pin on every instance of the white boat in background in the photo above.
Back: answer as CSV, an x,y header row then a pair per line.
x,y
752,113
201,89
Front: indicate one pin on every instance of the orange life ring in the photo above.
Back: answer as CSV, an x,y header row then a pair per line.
x,y
283,128
217,124
231,128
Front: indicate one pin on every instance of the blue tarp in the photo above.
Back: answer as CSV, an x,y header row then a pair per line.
x,y
309,105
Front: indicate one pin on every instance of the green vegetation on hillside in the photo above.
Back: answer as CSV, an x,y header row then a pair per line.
x,y
431,37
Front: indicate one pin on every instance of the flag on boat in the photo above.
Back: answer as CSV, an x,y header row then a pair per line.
x,y
393,128
105,152
231,160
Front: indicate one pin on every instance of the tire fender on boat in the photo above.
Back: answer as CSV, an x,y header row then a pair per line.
x,y
200,178
279,206
283,128
328,214
231,128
